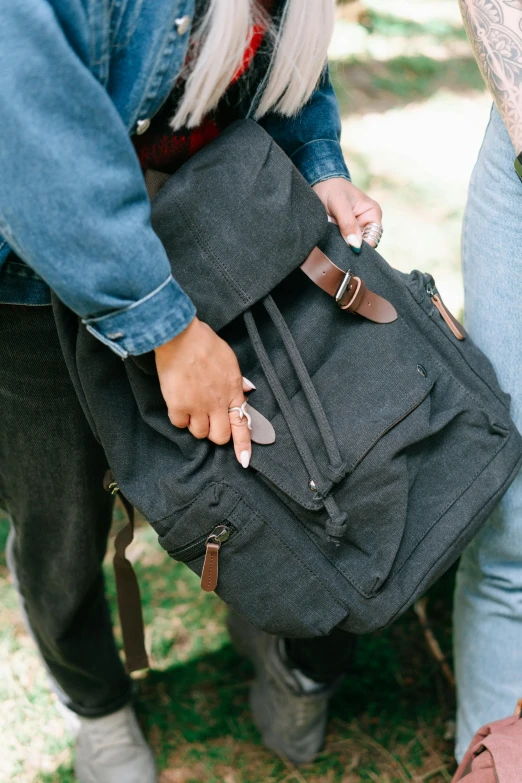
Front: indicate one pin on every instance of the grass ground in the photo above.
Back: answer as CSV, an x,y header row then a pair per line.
x,y
387,723
413,112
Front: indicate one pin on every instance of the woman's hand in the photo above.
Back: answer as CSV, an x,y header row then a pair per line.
x,y
200,380
351,209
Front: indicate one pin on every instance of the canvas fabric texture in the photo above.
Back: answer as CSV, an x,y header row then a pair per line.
x,y
495,754
402,429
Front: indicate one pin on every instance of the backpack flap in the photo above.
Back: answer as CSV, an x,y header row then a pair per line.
x,y
235,221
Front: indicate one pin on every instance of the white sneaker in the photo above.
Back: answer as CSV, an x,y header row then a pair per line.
x,y
111,749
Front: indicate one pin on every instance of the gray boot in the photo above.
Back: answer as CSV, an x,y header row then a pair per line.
x,y
290,710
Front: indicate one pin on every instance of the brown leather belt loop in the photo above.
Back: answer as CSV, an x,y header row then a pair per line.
x,y
357,298
128,590
358,294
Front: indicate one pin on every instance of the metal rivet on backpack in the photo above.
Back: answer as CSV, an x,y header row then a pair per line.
x,y
312,486
422,370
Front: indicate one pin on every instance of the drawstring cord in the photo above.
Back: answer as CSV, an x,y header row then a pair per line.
x,y
282,400
337,520
323,425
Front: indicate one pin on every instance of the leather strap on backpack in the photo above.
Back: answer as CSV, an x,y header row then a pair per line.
x,y
349,291
127,588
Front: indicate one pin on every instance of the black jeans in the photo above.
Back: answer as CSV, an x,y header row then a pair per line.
x,y
51,484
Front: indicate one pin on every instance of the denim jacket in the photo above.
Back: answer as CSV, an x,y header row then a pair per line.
x,y
78,77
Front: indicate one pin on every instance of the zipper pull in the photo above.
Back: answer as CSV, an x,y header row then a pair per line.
x,y
451,322
210,573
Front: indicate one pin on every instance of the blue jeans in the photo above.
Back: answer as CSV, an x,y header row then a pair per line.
x,y
488,599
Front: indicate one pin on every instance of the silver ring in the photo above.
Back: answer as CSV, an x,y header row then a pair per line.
x,y
243,413
373,233
377,227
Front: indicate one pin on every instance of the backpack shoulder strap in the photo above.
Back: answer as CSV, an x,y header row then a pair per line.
x,y
127,589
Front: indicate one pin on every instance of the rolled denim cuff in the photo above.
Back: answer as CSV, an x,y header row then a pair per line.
x,y
319,160
146,324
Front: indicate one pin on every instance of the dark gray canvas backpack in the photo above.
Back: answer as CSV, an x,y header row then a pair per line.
x,y
393,440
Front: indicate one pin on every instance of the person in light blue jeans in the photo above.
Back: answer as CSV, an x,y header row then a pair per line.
x,y
488,599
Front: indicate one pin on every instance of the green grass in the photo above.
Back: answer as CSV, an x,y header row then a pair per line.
x,y
387,721
383,85
390,25
420,76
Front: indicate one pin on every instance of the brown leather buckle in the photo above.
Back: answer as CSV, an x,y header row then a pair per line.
x,y
354,297
339,284
341,291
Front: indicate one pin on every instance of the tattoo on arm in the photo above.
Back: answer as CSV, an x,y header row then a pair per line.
x,y
494,28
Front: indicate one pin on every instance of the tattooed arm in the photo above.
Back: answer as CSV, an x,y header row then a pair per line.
x,y
494,28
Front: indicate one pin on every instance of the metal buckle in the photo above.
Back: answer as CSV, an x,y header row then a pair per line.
x,y
344,287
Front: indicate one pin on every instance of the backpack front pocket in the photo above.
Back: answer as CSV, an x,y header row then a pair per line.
x,y
366,388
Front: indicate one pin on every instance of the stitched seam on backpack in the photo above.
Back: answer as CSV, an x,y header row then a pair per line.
x,y
475,373
353,464
264,521
182,509
433,356
477,400
443,368
335,565
374,594
445,511
241,528
460,353
303,503
206,247
434,567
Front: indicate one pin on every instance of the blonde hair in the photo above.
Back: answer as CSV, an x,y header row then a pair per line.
x,y
299,51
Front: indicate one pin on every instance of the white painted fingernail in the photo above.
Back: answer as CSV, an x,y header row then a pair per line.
x,y
353,240
245,458
248,383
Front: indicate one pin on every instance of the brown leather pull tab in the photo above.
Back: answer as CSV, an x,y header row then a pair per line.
x,y
209,575
452,323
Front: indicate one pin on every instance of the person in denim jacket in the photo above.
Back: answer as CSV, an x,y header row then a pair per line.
x,y
89,92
